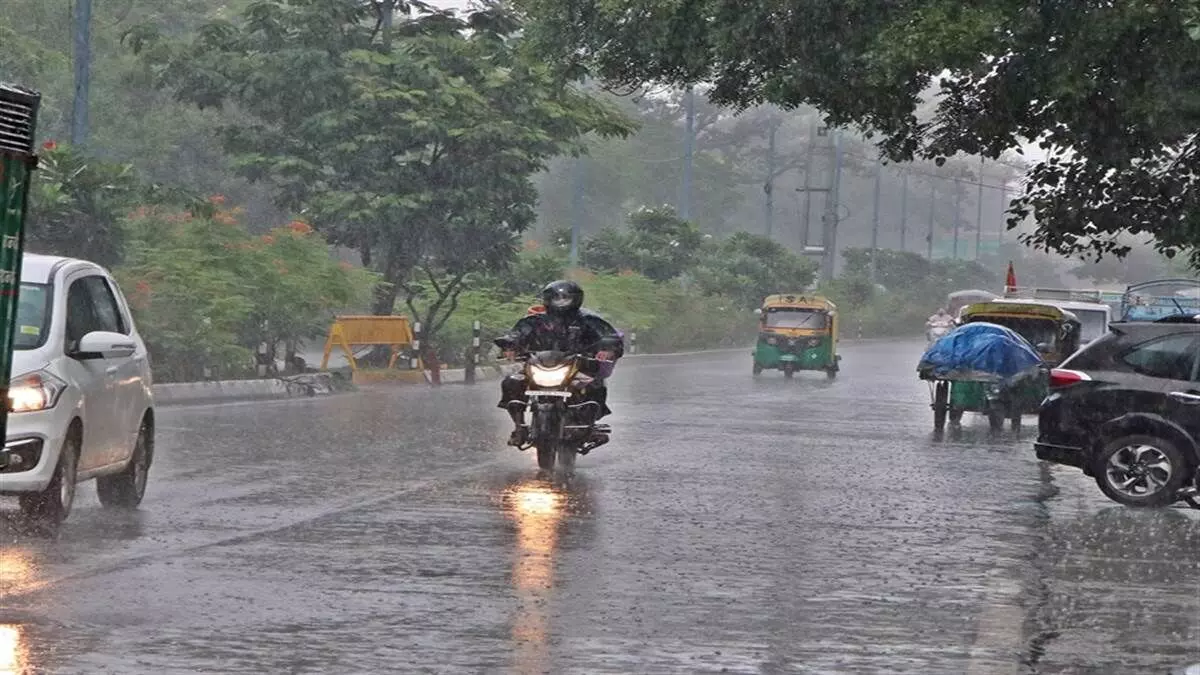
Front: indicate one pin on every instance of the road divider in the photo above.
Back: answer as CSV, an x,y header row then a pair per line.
x,y
326,383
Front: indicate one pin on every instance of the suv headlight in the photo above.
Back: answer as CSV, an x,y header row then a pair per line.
x,y
34,391
549,377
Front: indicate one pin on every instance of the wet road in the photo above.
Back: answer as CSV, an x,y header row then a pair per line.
x,y
733,525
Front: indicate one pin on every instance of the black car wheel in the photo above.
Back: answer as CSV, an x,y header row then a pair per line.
x,y
1140,470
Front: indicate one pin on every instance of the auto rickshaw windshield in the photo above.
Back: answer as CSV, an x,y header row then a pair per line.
x,y
796,318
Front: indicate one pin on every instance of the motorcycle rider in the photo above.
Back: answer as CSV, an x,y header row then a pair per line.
x,y
566,327
940,319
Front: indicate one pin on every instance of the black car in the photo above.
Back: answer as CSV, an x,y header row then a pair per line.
x,y
1126,410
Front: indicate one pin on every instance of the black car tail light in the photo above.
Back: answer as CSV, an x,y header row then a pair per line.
x,y
1062,377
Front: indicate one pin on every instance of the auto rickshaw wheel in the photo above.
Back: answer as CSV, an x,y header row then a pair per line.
x,y
789,370
831,372
941,396
757,369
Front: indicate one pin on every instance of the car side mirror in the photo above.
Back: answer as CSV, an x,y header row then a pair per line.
x,y
100,344
758,311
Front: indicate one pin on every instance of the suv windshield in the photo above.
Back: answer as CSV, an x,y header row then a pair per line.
x,y
795,318
32,316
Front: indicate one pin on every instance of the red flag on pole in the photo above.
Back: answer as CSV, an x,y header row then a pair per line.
x,y
1010,281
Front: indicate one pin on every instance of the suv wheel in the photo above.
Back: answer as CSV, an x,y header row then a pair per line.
x,y
54,503
126,489
1141,470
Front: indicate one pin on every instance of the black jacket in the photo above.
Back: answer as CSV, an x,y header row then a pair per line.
x,y
580,332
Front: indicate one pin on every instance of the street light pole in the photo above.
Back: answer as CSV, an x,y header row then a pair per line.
x,y
83,68
829,259
957,213
904,212
979,212
689,141
576,211
932,214
808,166
769,186
875,221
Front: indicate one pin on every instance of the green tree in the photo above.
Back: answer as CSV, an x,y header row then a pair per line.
x,y
206,292
657,244
1085,80
748,267
415,148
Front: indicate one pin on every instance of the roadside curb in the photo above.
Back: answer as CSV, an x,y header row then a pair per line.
x,y
195,393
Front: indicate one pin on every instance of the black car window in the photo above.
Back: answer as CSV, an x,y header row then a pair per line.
x,y
107,311
1171,358
81,315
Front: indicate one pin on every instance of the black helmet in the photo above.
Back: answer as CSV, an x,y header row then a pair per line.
x,y
562,297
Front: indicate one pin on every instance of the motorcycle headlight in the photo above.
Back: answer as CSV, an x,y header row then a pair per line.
x,y
549,377
34,391
772,341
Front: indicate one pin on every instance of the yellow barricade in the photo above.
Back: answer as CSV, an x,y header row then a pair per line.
x,y
348,332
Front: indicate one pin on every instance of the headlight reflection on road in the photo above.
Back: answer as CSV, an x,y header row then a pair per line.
x,y
17,570
13,656
537,510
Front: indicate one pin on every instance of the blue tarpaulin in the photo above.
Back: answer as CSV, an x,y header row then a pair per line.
x,y
979,351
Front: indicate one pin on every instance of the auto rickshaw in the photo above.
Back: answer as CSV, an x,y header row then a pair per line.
x,y
1050,330
1053,331
797,332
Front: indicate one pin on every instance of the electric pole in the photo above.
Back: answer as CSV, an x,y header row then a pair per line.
x,y
689,142
829,221
83,59
875,221
904,212
769,186
932,214
979,212
957,213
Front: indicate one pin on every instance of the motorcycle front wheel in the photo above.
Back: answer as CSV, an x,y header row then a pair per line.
x,y
545,438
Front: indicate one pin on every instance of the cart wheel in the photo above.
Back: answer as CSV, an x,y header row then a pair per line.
x,y
941,396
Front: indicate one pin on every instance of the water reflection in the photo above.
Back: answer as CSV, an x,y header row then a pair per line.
x,y
18,569
14,652
537,508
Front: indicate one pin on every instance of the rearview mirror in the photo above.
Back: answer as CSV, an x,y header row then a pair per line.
x,y
100,344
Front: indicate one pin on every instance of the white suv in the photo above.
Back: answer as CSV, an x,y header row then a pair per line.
x,y
80,400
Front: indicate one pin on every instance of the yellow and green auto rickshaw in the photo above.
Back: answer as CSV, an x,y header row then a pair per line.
x,y
1052,331
797,332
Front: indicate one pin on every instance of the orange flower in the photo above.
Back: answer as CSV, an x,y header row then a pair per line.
x,y
299,227
268,239
532,245
346,267
216,199
49,145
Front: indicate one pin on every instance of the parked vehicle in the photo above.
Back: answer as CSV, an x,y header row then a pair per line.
x,y
1053,331
1161,298
1126,410
81,401
797,332
1092,309
956,301
982,368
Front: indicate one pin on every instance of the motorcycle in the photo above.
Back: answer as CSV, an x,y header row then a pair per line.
x,y
561,426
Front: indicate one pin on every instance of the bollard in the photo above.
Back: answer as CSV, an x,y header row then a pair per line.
x,y
415,361
472,354
633,343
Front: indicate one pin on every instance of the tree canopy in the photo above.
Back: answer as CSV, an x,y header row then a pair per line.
x,y
415,145
1108,89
